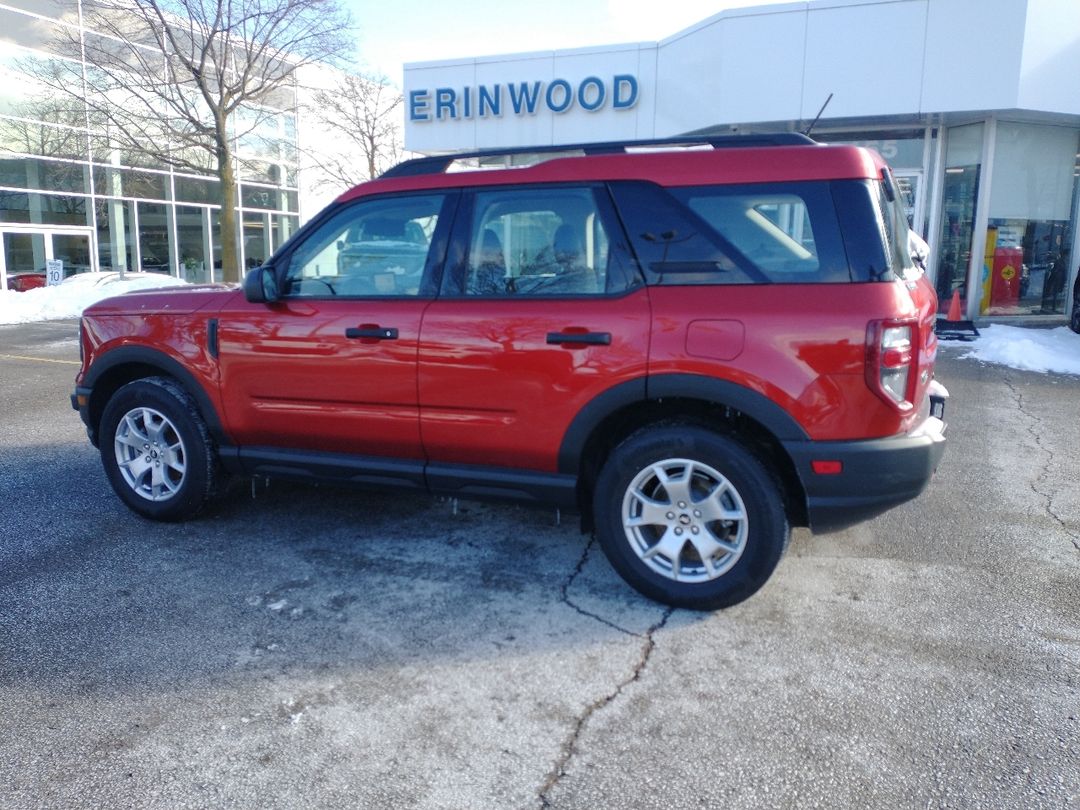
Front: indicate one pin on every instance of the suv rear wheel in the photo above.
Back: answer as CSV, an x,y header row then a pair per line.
x,y
156,450
689,517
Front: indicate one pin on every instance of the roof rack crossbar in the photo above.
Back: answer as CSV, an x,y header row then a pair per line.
x,y
437,164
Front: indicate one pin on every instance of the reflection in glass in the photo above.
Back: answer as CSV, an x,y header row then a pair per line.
x,y
24,252
42,209
191,244
154,237
256,240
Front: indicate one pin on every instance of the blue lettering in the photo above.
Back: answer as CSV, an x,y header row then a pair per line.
x,y
523,99
445,99
492,102
624,81
598,98
567,96
467,97
418,105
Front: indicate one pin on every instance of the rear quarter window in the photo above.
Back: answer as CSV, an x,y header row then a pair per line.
x,y
769,233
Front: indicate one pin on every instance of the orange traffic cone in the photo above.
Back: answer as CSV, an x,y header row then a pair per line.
x,y
953,326
954,308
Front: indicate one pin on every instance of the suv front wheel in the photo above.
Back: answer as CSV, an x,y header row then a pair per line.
x,y
689,517
156,450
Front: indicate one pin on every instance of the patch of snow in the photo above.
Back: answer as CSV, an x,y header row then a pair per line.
x,y
1043,350
68,300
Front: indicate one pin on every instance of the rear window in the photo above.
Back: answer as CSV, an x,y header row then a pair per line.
x,y
736,234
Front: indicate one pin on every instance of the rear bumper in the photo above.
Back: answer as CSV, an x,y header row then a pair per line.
x,y
877,474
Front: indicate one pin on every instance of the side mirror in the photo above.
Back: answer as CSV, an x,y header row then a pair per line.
x,y
260,285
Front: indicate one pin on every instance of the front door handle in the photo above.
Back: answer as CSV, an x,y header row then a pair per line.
x,y
586,338
372,332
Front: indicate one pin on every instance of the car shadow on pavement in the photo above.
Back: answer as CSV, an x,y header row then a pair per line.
x,y
284,577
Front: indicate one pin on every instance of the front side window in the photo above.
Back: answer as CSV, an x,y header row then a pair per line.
x,y
527,242
372,248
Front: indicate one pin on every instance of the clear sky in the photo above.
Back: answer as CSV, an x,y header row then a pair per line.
x,y
392,33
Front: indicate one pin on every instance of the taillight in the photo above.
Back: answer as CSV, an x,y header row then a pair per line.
x,y
891,362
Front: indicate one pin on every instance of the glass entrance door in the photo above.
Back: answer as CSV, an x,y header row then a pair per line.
x,y
26,251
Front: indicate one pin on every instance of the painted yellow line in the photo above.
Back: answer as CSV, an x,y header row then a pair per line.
x,y
40,359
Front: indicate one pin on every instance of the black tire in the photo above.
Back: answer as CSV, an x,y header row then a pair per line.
x,y
718,562
176,471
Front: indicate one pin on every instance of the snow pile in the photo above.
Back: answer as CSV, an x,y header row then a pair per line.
x,y
1045,350
69,299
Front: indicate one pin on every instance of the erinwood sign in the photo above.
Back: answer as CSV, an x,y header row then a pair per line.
x,y
590,94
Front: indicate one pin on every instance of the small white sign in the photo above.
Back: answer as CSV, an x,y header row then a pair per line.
x,y
54,271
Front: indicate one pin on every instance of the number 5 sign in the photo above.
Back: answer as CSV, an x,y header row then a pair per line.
x,y
54,271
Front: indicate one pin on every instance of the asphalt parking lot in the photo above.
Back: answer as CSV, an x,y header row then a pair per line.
x,y
310,647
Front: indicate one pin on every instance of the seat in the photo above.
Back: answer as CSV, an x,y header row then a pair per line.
x,y
575,276
487,276
568,247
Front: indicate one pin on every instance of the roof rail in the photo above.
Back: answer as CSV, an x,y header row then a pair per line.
x,y
437,164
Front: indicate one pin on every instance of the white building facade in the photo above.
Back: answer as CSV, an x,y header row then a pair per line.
x,y
975,104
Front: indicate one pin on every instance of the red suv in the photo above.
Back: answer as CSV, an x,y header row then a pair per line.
x,y
694,348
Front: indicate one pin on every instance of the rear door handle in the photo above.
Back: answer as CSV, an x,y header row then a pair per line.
x,y
586,338
373,332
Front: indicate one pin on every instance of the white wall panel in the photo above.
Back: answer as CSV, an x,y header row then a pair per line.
x,y
1050,67
763,63
869,56
607,123
434,135
778,64
973,50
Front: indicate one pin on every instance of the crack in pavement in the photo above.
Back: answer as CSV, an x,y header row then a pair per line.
x,y
570,745
1048,498
564,594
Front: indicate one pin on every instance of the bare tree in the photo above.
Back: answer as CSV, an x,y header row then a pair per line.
x,y
361,118
180,82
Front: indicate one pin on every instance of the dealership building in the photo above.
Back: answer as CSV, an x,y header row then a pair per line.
x,y
974,103
69,194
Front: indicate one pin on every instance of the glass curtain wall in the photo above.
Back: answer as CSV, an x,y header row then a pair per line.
x,y
55,170
963,164
1030,227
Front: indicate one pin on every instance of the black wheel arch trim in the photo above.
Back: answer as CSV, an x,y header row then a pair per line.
x,y
687,386
143,356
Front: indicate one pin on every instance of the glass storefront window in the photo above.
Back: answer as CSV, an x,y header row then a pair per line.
x,y
259,197
24,252
902,150
194,190
256,240
215,243
116,234
113,182
42,209
963,163
46,175
191,244
1030,226
32,138
284,227
37,33
154,238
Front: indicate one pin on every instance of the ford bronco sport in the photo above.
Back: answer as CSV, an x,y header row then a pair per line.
x,y
694,348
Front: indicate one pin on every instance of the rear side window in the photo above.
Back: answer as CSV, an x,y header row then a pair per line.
x,y
771,233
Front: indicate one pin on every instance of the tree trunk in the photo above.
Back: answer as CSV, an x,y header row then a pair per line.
x,y
229,228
